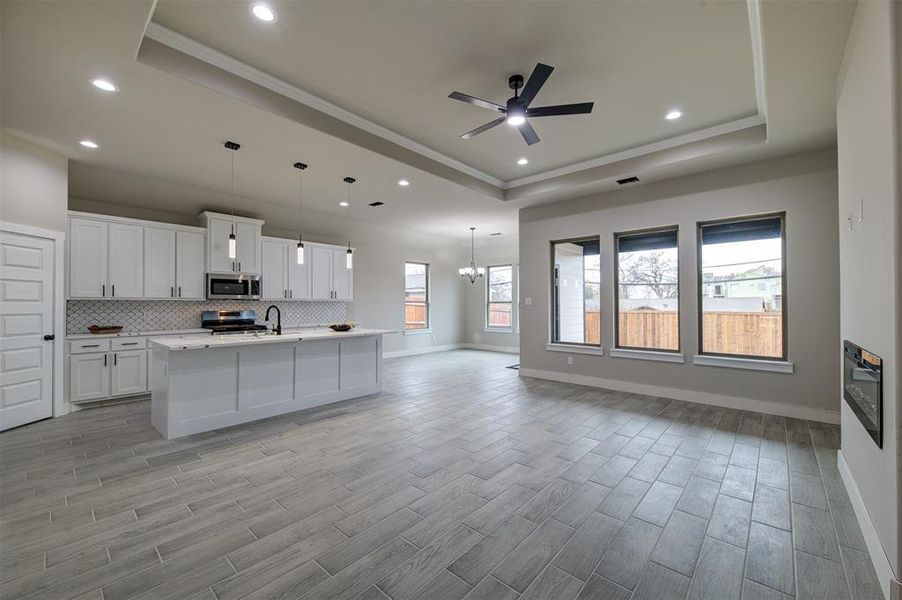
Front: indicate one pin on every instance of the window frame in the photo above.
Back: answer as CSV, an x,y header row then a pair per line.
x,y
634,232
551,296
784,357
488,275
427,303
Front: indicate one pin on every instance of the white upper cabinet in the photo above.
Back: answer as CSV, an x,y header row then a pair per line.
x,y
130,259
218,230
126,260
247,242
189,266
87,250
248,235
283,277
330,278
298,275
321,272
275,271
159,263
341,275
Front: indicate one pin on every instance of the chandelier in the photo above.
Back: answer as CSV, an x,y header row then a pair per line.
x,y
472,272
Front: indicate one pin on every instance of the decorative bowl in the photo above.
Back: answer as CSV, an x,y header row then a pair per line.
x,y
104,329
342,326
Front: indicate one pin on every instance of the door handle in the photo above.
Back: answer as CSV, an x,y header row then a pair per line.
x,y
49,337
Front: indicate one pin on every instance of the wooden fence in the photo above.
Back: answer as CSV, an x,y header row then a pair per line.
x,y
415,316
753,334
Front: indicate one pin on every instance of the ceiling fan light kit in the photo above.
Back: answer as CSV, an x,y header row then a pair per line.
x,y
517,111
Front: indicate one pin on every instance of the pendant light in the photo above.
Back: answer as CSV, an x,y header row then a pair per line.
x,y
300,167
349,260
472,272
233,241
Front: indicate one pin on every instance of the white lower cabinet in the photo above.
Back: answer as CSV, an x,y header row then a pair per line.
x,y
129,373
89,377
107,368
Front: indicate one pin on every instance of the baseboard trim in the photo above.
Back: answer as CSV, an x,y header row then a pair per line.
x,y
505,349
875,548
423,350
749,404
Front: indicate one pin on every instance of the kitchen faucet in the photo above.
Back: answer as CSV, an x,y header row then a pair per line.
x,y
278,327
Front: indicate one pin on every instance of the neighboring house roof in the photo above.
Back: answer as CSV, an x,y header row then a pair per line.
x,y
734,304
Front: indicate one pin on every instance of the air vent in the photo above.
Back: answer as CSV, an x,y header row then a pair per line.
x,y
376,203
627,180
496,233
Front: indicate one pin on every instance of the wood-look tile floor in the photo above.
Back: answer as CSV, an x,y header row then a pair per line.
x,y
462,480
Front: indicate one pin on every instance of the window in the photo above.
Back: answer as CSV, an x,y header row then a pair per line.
x,y
576,292
499,297
648,316
742,287
416,296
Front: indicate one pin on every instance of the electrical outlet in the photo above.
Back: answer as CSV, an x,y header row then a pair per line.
x,y
527,301
570,360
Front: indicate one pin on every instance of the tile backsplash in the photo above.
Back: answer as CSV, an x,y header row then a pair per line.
x,y
160,315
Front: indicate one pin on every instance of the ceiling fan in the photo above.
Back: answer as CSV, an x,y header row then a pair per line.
x,y
517,110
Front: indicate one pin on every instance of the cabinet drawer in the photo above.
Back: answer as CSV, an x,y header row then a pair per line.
x,y
89,345
129,343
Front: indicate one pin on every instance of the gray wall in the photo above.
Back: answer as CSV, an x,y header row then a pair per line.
x,y
869,153
803,185
33,184
378,270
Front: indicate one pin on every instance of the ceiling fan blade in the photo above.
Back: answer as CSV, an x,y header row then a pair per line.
x,y
534,83
482,128
529,134
582,108
476,101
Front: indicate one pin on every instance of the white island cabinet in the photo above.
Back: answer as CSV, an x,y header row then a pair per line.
x,y
202,383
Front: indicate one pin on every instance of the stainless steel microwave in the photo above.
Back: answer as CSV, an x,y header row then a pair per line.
x,y
233,286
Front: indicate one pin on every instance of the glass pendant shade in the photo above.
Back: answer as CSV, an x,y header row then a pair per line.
x,y
349,261
233,246
300,253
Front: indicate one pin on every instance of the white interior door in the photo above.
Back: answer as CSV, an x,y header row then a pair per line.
x,y
26,316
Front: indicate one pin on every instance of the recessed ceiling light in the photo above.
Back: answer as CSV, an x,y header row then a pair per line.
x,y
104,84
343,203
403,182
263,12
522,161
673,115
89,144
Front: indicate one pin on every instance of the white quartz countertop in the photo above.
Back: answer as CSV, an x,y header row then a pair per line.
x,y
204,342
87,336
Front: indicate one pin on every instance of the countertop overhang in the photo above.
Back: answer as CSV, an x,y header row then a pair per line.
x,y
209,342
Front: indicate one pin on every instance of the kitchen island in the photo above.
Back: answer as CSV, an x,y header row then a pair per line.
x,y
204,382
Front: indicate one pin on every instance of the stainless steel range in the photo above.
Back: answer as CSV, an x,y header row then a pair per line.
x,y
221,322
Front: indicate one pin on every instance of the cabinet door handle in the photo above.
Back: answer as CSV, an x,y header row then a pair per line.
x,y
239,265
233,265
129,344
114,290
180,291
171,292
291,293
90,345
115,359
103,290
104,360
